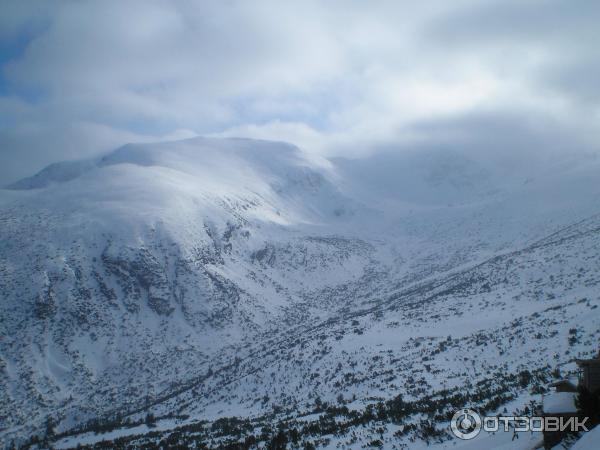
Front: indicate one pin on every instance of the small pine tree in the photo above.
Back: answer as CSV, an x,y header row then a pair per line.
x,y
150,420
318,403
49,426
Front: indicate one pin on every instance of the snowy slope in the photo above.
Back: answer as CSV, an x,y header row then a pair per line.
x,y
209,278
488,337
160,254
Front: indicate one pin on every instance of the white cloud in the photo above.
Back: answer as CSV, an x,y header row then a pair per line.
x,y
334,77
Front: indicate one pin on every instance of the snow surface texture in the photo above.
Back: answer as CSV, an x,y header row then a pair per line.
x,y
589,441
209,278
560,403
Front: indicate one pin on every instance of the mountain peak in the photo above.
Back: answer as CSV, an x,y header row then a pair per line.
x,y
186,155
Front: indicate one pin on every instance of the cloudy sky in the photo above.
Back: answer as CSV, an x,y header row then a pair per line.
x,y
335,77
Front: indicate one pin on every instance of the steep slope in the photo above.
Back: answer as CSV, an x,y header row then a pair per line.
x,y
487,337
116,282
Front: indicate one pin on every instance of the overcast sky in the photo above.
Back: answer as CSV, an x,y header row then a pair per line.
x,y
336,77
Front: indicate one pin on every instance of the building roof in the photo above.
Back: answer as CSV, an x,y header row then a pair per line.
x,y
559,403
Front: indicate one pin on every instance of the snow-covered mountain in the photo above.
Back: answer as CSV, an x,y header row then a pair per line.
x,y
211,278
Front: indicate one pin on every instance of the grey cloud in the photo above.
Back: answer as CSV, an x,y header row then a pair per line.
x,y
27,149
509,140
546,22
555,40
19,17
578,79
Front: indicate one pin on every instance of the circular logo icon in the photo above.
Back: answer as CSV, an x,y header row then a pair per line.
x,y
465,424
